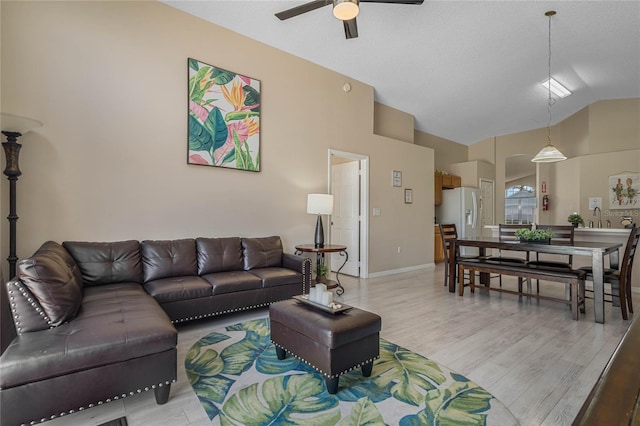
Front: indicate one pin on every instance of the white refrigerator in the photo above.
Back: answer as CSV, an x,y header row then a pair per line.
x,y
461,206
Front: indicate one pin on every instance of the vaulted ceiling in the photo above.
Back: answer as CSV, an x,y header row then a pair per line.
x,y
466,70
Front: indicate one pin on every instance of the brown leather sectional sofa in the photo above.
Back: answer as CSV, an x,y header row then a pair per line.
x,y
87,323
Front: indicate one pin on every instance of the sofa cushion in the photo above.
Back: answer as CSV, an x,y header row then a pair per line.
x,y
54,279
130,324
169,258
272,277
232,281
219,255
178,288
107,263
262,252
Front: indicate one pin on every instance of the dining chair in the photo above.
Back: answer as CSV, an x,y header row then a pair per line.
x,y
620,279
449,235
561,233
508,232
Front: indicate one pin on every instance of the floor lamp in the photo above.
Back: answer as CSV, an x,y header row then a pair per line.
x,y
13,127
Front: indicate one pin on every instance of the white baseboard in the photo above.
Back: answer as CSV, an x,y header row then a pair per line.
x,y
401,270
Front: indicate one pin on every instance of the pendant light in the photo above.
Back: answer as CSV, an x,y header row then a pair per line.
x,y
549,154
346,9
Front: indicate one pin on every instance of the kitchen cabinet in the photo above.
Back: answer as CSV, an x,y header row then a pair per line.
x,y
438,252
444,181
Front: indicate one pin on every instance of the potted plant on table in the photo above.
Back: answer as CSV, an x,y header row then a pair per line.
x,y
575,219
534,235
321,274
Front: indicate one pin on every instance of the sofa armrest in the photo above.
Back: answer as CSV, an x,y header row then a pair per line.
x,y
299,264
7,327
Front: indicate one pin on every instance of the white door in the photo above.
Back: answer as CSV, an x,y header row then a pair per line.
x,y
345,222
486,206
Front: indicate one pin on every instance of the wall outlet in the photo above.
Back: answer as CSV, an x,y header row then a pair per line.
x,y
595,202
399,249
376,211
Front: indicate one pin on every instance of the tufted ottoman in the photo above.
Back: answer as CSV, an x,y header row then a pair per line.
x,y
331,343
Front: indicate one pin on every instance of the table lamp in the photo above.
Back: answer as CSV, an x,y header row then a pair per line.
x,y
13,127
319,204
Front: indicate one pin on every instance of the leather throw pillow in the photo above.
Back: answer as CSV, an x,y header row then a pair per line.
x,y
54,279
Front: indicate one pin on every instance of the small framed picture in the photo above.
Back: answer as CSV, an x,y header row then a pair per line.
x,y
396,178
408,196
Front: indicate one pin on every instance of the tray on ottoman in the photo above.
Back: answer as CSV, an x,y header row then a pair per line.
x,y
331,344
334,308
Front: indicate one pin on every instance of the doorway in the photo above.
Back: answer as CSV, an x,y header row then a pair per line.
x,y
348,183
487,203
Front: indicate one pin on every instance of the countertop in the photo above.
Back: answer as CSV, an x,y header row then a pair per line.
x,y
599,231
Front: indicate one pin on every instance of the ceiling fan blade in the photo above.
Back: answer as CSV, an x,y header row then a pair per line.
x,y
304,8
416,2
350,28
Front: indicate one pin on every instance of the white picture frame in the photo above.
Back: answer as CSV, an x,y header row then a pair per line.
x,y
624,191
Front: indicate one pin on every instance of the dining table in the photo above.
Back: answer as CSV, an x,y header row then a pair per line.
x,y
596,250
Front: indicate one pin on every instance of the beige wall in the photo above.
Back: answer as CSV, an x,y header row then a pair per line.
x,y
446,152
484,150
108,79
471,172
614,125
584,138
392,123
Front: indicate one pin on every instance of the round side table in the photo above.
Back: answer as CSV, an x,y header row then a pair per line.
x,y
320,252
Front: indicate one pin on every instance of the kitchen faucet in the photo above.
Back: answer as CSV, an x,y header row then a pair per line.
x,y
599,214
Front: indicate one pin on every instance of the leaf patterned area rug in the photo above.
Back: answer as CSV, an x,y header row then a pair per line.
x,y
239,381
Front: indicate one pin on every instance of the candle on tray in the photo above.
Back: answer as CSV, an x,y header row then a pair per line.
x,y
326,298
313,294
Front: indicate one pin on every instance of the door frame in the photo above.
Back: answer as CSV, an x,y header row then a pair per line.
x,y
493,201
364,203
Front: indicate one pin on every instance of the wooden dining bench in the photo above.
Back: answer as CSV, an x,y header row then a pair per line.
x,y
575,278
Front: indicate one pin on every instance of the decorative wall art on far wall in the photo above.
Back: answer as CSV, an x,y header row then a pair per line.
x,y
624,191
223,118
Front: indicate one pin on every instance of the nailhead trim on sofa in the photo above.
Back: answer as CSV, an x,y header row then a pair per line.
x,y
29,298
115,398
306,265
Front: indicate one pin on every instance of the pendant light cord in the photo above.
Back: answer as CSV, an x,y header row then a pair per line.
x,y
549,100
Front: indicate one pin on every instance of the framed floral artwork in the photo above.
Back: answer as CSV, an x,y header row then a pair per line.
x,y
624,191
223,118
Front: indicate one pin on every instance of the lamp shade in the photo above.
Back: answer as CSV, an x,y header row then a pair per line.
x,y
345,9
16,124
549,154
319,204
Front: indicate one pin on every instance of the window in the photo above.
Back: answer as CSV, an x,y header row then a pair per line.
x,y
519,205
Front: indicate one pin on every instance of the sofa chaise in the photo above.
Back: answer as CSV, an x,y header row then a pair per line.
x,y
85,323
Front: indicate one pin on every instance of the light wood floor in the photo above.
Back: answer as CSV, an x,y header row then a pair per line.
x,y
531,355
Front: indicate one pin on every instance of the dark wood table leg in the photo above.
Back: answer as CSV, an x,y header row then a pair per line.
x,y
452,267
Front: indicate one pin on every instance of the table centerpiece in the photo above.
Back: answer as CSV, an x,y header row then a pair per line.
x,y
538,236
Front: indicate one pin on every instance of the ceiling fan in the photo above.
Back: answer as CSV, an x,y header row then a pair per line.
x,y
345,10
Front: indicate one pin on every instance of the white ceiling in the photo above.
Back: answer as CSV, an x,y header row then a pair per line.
x,y
466,70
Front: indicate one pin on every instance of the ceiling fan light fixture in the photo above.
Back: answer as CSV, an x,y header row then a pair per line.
x,y
345,10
